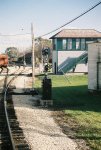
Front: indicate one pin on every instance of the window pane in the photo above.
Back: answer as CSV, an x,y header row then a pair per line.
x,y
77,43
83,46
64,43
69,43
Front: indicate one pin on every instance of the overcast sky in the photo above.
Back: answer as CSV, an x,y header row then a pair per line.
x,y
46,15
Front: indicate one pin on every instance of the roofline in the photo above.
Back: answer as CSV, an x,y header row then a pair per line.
x,y
74,37
55,34
53,37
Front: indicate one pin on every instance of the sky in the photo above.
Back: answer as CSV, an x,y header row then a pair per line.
x,y
16,17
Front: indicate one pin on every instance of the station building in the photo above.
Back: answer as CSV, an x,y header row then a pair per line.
x,y
70,48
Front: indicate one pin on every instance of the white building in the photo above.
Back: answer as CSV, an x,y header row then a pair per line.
x,y
70,50
94,66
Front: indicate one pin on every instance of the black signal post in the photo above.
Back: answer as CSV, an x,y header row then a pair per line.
x,y
46,83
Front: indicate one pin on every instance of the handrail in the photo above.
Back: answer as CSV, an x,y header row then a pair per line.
x,y
72,62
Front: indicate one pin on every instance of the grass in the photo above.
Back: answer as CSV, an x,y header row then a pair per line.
x,y
72,96
89,126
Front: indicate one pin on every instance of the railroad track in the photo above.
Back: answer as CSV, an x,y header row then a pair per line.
x,y
11,135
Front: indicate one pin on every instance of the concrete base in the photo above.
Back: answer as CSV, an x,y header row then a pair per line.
x,y
46,103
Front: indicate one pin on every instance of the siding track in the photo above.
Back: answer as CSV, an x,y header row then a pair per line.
x,y
11,135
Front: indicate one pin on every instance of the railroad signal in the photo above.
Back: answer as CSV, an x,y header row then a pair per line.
x,y
46,83
46,68
45,51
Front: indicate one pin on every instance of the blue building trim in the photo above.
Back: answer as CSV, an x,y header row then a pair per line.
x,y
59,44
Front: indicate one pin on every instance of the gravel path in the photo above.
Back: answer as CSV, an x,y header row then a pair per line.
x,y
38,125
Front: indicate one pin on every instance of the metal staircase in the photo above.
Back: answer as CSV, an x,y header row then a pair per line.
x,y
71,63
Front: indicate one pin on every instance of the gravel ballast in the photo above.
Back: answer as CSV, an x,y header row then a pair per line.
x,y
39,127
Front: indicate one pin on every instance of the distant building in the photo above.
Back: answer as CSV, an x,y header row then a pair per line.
x,y
70,48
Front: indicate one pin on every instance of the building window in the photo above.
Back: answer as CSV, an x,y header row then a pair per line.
x,y
70,44
77,43
83,44
64,43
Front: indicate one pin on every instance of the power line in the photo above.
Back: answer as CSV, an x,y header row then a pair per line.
x,y
14,34
72,20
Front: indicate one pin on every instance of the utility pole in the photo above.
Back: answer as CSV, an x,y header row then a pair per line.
x,y
33,58
41,45
24,61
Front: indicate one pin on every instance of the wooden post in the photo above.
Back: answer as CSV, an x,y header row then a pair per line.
x,y
33,58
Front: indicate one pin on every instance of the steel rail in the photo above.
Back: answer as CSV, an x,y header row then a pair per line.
x,y
15,77
8,123
6,114
5,107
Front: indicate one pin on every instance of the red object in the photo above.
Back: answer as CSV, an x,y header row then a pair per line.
x,y
3,60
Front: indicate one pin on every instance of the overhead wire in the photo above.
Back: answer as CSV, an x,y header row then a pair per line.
x,y
14,34
72,20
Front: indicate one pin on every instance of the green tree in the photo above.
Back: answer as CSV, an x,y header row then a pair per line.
x,y
40,43
12,53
